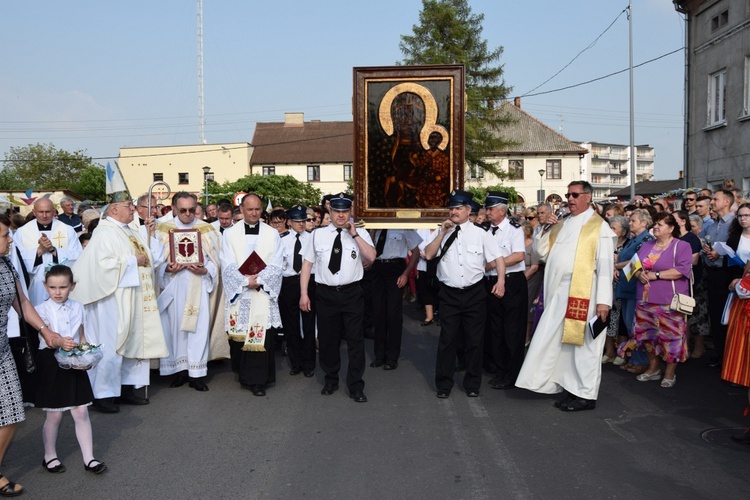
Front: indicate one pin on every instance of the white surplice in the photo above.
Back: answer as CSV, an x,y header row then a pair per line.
x,y
551,366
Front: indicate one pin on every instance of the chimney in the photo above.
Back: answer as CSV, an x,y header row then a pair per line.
x,y
681,174
517,102
294,119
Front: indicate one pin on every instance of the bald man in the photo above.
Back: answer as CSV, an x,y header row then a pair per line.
x,y
42,242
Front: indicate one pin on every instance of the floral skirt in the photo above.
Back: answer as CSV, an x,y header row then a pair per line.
x,y
660,330
736,366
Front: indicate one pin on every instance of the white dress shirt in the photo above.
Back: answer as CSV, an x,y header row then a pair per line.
x,y
318,251
509,239
398,243
65,318
464,263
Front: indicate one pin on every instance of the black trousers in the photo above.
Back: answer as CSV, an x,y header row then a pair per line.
x,y
300,342
506,324
462,317
340,311
366,284
387,309
254,367
717,286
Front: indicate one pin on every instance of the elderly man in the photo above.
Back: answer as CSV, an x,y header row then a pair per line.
x,y
563,354
115,281
68,216
43,243
185,301
252,299
463,251
211,211
506,315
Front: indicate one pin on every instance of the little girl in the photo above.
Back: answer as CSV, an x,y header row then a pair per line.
x,y
59,389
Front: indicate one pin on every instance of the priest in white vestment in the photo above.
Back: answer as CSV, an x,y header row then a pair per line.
x,y
563,354
45,241
115,282
186,300
252,300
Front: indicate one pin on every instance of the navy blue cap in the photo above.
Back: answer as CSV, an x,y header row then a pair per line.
x,y
297,213
495,198
341,202
459,198
474,208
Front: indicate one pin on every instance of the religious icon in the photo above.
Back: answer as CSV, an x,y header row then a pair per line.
x,y
185,246
408,140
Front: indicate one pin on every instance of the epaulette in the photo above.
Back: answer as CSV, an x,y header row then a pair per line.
x,y
514,222
285,233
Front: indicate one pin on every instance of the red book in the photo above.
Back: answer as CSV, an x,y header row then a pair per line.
x,y
253,265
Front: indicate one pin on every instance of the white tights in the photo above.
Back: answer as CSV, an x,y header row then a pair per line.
x,y
83,433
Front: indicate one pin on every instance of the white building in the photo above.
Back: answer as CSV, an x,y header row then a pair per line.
x,y
607,166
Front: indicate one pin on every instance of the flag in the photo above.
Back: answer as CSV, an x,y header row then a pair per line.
x,y
632,266
269,207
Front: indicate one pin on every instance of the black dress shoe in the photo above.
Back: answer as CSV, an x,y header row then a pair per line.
x,y
377,364
309,373
443,393
329,389
131,399
502,384
105,405
460,367
391,365
472,393
96,469
579,404
258,390
427,323
179,380
295,371
55,469
358,397
198,385
567,398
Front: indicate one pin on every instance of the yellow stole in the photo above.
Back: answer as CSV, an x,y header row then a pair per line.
x,y
579,297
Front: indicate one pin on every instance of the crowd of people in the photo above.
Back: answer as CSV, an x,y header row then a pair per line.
x,y
541,298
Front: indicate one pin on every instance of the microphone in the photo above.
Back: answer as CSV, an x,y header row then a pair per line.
x,y
561,213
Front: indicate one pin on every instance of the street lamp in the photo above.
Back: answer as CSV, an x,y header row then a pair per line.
x,y
206,171
540,196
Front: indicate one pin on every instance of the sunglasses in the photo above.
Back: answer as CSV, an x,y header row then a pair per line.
x,y
530,217
310,220
574,195
690,199
186,210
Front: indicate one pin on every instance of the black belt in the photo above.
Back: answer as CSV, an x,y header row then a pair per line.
x,y
339,288
295,277
464,289
508,275
391,261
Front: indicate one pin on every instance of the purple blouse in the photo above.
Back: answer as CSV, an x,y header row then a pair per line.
x,y
660,291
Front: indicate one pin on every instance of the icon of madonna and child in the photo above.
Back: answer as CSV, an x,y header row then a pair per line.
x,y
409,163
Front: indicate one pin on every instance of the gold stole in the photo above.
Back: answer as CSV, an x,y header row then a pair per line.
x,y
579,297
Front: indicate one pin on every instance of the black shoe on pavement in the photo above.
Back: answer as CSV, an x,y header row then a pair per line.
x,y
198,385
180,380
105,405
472,393
443,393
329,389
579,404
391,365
258,390
358,397
309,373
377,364
295,371
502,384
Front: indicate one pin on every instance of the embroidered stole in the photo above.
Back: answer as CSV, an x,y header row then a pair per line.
x,y
579,297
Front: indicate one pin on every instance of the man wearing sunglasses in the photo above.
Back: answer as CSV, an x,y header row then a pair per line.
x,y
564,355
185,302
689,203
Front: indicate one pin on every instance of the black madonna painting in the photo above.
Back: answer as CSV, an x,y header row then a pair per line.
x,y
408,140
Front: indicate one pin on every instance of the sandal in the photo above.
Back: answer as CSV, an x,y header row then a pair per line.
x,y
96,469
57,469
645,377
669,382
9,489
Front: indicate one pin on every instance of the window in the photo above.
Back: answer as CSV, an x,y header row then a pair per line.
x,y
554,171
347,172
515,169
476,172
183,178
717,99
719,21
158,177
269,170
313,173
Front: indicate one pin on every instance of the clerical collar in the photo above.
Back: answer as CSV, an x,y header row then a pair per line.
x,y
252,229
43,227
143,222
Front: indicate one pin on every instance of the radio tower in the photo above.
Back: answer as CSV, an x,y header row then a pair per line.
x,y
201,103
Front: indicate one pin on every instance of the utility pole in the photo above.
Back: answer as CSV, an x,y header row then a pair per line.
x,y
633,159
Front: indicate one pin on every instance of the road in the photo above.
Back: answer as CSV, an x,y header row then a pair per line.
x,y
641,441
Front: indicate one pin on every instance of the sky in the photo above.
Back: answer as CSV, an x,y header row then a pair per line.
x,y
97,76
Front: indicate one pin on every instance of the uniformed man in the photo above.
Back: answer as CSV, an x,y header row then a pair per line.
x,y
338,251
463,250
507,315
300,342
390,274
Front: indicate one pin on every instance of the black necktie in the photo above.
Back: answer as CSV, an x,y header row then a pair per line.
x,y
252,229
334,263
297,265
381,242
494,230
448,243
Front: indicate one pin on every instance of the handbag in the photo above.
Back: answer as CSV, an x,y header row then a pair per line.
x,y
680,302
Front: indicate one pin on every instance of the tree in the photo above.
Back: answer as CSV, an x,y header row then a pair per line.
x,y
480,192
43,166
449,33
283,190
91,183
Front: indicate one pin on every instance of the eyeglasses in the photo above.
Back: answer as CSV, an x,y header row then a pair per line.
x,y
574,195
530,217
310,220
742,216
186,210
277,222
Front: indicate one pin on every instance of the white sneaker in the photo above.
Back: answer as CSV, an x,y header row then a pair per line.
x,y
619,361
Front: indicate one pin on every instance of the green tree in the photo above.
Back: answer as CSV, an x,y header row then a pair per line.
x,y
283,190
43,166
449,33
91,183
480,192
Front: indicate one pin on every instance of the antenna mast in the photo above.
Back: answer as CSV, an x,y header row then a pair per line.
x,y
201,102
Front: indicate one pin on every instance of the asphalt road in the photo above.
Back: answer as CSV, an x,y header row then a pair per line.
x,y
641,441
